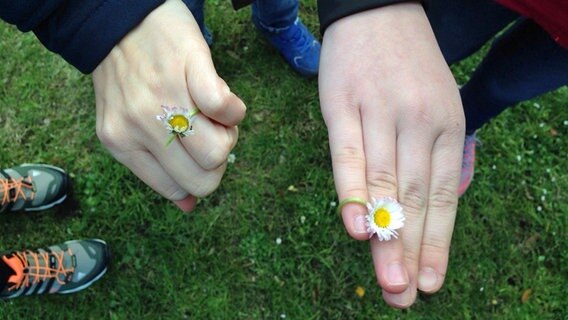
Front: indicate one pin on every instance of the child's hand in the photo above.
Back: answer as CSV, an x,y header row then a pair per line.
x,y
165,61
396,129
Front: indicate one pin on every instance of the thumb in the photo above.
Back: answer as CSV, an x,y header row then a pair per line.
x,y
210,93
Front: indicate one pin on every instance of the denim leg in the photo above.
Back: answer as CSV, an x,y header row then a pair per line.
x,y
523,63
275,13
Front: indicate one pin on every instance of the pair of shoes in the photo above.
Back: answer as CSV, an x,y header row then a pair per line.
x,y
296,44
468,163
65,268
32,187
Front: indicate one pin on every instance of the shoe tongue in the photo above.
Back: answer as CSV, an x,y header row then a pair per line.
x,y
27,188
17,268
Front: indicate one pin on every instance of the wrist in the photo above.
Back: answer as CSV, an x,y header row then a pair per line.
x,y
398,29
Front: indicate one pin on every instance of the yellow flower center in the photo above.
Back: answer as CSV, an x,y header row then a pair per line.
x,y
382,217
179,122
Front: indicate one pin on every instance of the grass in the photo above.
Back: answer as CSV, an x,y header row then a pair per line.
x,y
267,243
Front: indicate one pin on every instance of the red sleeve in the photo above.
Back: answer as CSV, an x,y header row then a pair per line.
x,y
551,15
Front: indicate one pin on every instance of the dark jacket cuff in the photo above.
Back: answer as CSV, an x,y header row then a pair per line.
x,y
331,10
82,32
84,44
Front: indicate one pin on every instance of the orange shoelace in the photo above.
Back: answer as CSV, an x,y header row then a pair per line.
x,y
18,185
19,263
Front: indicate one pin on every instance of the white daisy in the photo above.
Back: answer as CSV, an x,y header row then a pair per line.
x,y
385,216
179,121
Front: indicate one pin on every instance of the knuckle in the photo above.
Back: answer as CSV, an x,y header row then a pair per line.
x,y
445,196
436,246
343,99
382,181
411,255
335,105
454,123
418,99
206,186
173,192
424,118
427,111
218,97
413,195
422,115
108,134
351,156
217,156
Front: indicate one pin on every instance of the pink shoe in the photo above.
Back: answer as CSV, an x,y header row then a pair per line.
x,y
468,163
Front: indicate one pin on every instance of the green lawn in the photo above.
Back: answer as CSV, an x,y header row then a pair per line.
x,y
268,244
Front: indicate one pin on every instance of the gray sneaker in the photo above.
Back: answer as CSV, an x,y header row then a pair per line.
x,y
64,268
32,187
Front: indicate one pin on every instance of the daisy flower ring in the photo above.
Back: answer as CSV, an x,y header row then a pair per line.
x,y
178,121
384,218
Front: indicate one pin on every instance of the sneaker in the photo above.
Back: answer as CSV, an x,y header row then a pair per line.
x,y
296,44
468,163
64,268
32,187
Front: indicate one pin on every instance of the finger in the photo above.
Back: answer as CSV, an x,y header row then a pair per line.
x,y
442,207
185,170
348,160
400,300
210,93
389,265
380,154
187,204
414,150
145,166
211,142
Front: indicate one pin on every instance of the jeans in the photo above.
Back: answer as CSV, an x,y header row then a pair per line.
x,y
522,63
271,14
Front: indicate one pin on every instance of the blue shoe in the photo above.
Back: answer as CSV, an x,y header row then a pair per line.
x,y
296,44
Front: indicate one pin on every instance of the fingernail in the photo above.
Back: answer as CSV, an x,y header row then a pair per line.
x,y
360,224
427,279
396,274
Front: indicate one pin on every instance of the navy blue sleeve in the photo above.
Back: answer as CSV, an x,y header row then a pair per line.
x,y
82,31
331,10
